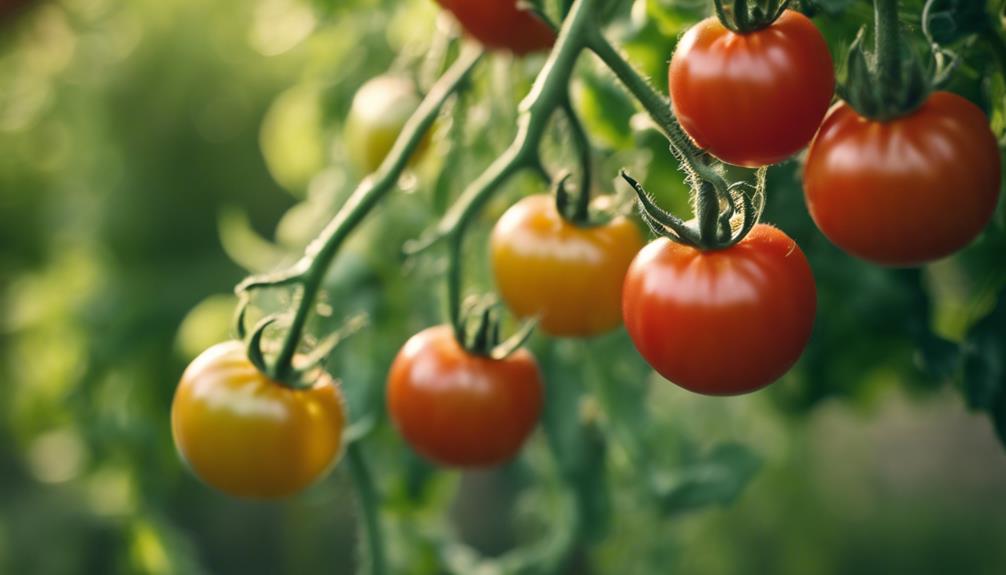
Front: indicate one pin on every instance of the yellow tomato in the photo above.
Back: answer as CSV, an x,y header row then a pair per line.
x,y
249,436
570,277
379,111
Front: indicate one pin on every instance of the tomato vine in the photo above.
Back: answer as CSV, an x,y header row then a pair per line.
x,y
725,236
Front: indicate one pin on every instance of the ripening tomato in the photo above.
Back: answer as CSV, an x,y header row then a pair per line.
x,y
906,191
569,277
250,436
461,409
501,25
721,322
380,109
752,99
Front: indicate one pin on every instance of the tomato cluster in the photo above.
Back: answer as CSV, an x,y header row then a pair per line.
x,y
714,316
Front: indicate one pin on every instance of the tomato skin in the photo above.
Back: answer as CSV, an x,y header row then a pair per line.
x,y
907,191
460,409
570,277
721,322
250,436
752,99
500,25
379,111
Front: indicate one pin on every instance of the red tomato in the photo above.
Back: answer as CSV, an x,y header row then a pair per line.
x,y
460,409
500,25
752,99
570,277
907,191
721,322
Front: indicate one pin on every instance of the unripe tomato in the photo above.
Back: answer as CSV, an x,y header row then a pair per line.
x,y
250,436
379,111
906,191
569,277
752,99
501,25
722,322
460,409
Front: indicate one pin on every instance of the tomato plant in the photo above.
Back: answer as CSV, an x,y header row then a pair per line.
x,y
905,191
569,277
501,25
721,322
461,409
250,436
752,98
379,111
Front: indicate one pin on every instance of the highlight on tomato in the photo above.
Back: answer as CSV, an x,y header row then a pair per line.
x,y
501,25
908,190
460,409
379,111
721,322
755,97
568,276
252,437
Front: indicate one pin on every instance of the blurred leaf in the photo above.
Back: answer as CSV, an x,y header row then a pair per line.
x,y
985,361
718,478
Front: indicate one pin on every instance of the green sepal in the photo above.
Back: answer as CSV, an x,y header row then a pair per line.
x,y
745,16
883,99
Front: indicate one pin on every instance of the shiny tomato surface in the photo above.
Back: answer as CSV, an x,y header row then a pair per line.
x,y
459,409
721,322
501,25
906,191
752,99
569,277
250,436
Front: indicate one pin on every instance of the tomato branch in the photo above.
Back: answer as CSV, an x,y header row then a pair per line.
x,y
310,270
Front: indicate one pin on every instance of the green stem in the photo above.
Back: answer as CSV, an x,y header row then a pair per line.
x,y
581,211
548,93
369,503
322,251
888,47
696,161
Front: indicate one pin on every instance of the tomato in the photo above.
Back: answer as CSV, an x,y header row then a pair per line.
x,y
380,109
569,277
501,25
752,99
906,191
721,322
461,409
250,436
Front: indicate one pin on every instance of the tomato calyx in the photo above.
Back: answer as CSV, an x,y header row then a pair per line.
x,y
891,82
744,16
721,222
309,366
479,328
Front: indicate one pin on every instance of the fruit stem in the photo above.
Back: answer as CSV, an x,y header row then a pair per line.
x,y
888,47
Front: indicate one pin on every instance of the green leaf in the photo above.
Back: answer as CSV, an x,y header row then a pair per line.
x,y
716,479
985,363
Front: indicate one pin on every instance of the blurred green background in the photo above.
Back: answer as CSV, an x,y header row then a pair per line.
x,y
153,153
